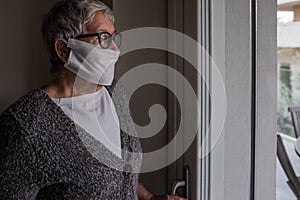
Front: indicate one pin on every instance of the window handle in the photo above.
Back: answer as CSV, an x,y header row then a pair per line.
x,y
183,183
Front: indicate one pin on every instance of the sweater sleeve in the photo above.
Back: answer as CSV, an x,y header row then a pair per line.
x,y
18,164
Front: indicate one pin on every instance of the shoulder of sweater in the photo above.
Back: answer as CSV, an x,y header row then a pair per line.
x,y
115,86
27,109
118,92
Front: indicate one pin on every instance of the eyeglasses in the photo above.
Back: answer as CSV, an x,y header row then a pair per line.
x,y
105,38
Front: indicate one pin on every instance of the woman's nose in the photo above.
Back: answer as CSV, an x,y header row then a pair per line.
x,y
113,46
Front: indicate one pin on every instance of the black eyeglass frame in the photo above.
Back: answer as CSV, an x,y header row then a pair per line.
x,y
111,38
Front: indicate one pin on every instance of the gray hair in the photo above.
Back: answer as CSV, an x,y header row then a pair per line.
x,y
66,19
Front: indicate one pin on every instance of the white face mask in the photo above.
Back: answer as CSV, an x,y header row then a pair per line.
x,y
91,62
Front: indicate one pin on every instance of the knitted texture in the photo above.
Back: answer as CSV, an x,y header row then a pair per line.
x,y
45,155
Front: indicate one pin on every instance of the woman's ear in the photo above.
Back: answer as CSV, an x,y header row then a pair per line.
x,y
62,50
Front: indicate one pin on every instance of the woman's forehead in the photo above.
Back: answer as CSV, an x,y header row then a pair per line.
x,y
100,22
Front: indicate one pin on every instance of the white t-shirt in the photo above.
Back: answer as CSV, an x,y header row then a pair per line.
x,y
96,113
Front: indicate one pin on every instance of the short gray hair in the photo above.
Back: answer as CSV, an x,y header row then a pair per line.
x,y
66,19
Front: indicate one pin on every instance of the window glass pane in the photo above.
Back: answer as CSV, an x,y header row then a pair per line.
x,y
288,70
288,85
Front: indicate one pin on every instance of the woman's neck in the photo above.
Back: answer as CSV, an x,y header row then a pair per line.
x,y
68,85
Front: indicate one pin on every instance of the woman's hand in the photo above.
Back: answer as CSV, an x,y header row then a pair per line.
x,y
144,194
168,197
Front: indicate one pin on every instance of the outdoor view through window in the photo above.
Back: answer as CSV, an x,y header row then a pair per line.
x,y
288,83
288,67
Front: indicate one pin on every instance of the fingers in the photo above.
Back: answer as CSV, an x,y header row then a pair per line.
x,y
175,197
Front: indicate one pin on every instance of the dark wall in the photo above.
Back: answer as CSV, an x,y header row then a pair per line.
x,y
24,61
108,2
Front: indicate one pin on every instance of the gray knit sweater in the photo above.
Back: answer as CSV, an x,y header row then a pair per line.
x,y
45,155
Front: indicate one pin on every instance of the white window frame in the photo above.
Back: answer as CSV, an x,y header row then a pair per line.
x,y
238,25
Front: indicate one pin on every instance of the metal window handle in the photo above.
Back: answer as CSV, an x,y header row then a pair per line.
x,y
183,183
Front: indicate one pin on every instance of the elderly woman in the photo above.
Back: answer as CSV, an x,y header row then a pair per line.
x,y
66,140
